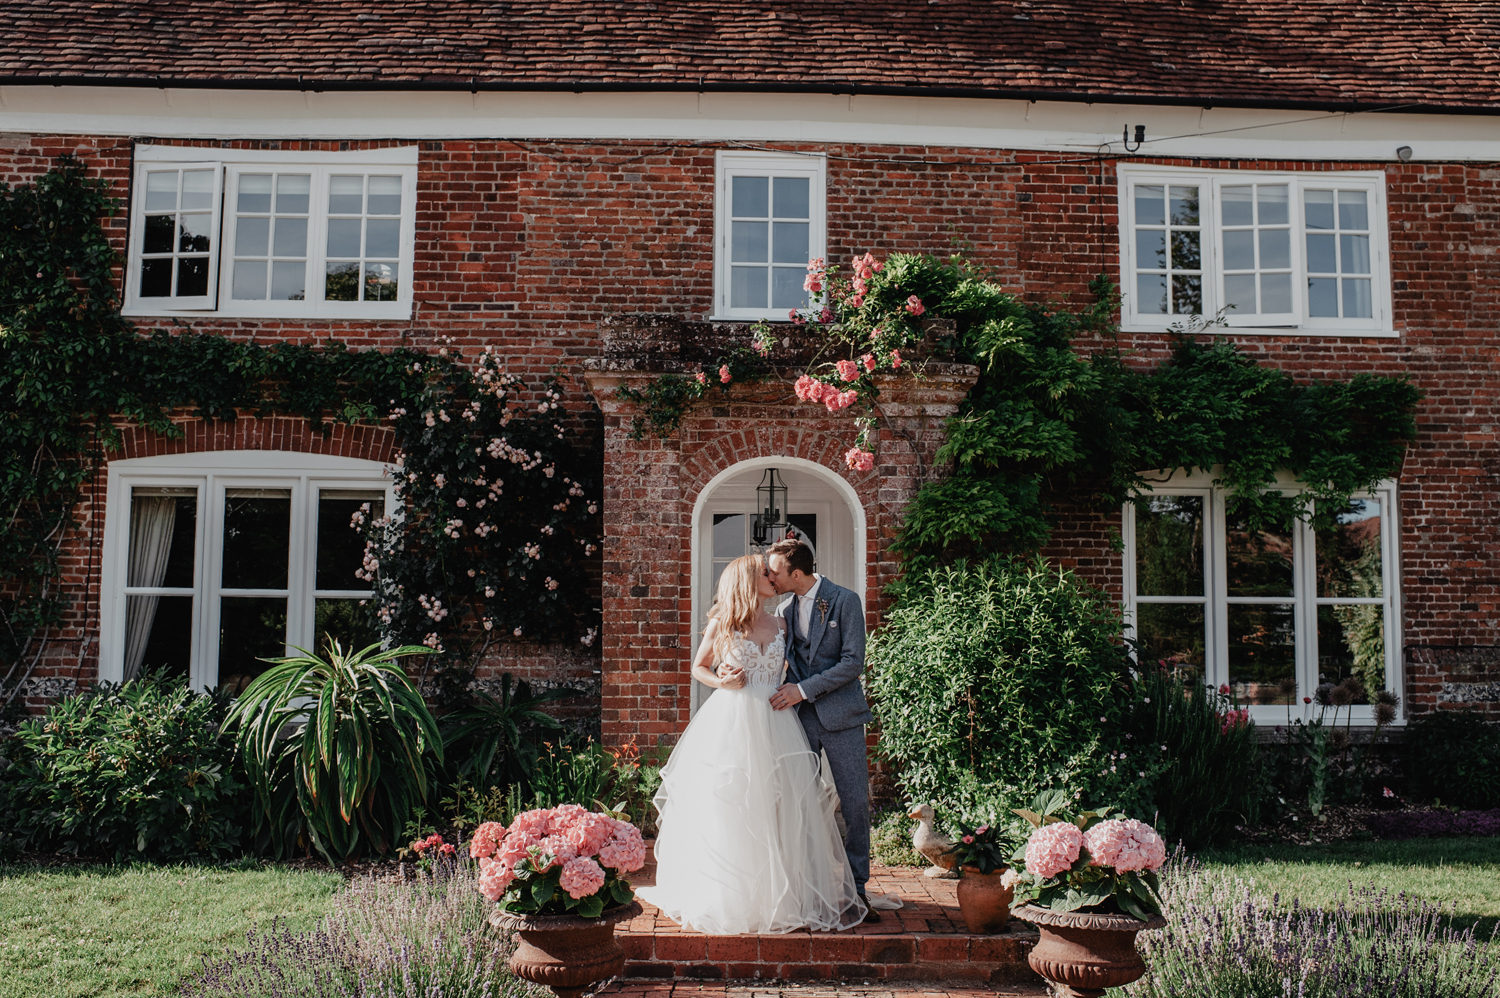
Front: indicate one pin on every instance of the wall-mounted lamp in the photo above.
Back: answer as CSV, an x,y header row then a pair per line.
x,y
770,507
1140,137
1403,153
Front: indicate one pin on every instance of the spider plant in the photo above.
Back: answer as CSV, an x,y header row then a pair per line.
x,y
337,746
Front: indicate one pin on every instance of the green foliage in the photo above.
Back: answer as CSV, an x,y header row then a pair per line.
x,y
993,681
1214,782
1453,756
621,781
138,769
336,746
492,741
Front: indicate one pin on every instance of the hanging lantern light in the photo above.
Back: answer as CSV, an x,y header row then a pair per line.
x,y
770,507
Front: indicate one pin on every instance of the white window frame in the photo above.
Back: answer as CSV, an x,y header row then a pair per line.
x,y
211,474
729,164
229,164
1210,183
1305,600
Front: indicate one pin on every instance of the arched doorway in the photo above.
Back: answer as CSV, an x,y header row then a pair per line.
x,y
821,506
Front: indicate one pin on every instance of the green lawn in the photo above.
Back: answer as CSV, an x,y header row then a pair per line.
x,y
1462,874
96,930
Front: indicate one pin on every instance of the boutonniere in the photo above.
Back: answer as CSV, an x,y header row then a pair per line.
x,y
822,606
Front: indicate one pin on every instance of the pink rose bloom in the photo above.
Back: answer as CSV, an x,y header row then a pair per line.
x,y
968,840
724,373
857,301
804,387
793,315
836,400
494,878
859,285
419,846
896,358
588,833
625,852
581,877
1053,849
486,839
811,283
914,305
859,460
826,315
848,370
446,849
869,361
1224,690
702,378
1126,845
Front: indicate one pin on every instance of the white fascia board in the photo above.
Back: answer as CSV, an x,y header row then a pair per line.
x,y
1054,126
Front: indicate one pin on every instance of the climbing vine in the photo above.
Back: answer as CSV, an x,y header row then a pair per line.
x,y
74,373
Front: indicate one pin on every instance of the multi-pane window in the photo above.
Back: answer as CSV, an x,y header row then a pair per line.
x,y
277,234
214,564
1276,251
770,224
1274,612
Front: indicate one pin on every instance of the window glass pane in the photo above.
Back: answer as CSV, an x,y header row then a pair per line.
x,y
1276,293
342,281
1357,298
1351,642
1185,254
169,634
346,195
789,242
1353,213
1275,249
163,536
344,236
1184,205
381,281
1262,657
1171,636
747,287
252,236
156,278
1187,294
750,242
1271,204
1150,205
1354,254
257,538
1317,207
1323,297
1320,254
197,189
254,192
1239,249
786,287
192,232
1348,553
292,193
1236,206
1239,294
250,628
750,197
385,196
383,237
291,237
1260,562
341,544
160,233
354,626
249,280
289,281
1169,545
192,276
730,531
1151,249
161,190
1151,294
791,197
806,526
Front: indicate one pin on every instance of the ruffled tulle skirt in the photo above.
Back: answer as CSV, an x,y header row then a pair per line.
x,y
748,841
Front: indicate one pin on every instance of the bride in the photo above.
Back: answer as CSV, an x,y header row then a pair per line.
x,y
748,842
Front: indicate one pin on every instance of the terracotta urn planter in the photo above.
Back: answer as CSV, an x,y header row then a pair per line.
x,y
564,952
1083,953
983,901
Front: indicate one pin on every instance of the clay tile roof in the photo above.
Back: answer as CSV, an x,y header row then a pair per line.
x,y
1409,54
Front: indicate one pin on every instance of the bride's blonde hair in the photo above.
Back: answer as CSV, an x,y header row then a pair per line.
x,y
736,602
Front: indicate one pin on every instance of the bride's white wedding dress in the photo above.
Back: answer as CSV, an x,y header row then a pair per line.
x,y
748,841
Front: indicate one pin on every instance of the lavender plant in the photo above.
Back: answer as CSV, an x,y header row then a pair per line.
x,y
425,938
1226,939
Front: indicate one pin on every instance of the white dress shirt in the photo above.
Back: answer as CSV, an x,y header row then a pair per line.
x,y
804,618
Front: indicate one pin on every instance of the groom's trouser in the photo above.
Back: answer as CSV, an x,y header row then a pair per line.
x,y
851,778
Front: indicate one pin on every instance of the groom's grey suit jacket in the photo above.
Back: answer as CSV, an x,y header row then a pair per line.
x,y
829,665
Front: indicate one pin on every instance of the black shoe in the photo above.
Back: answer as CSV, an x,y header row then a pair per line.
x,y
871,915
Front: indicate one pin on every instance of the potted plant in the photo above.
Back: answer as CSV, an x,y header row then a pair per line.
x,y
558,876
1089,885
984,896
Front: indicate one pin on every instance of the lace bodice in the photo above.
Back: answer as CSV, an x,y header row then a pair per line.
x,y
762,666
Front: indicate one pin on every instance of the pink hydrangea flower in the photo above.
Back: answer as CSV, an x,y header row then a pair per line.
x,y
1053,849
589,833
581,877
914,305
1125,844
486,840
625,852
494,878
848,370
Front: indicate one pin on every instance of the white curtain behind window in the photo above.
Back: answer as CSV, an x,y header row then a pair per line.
x,y
151,521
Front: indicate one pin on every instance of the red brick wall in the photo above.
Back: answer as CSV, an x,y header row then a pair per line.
x,y
529,245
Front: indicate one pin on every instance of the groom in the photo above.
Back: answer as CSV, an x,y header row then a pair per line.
x,y
825,656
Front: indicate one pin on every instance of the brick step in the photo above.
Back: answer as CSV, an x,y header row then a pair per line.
x,y
924,940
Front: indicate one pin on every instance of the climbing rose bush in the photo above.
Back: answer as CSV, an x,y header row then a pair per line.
x,y
564,860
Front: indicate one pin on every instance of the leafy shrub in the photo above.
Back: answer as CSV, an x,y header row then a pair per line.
x,y
1214,783
1226,940
138,769
1453,756
336,747
997,680
623,780
890,839
491,741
